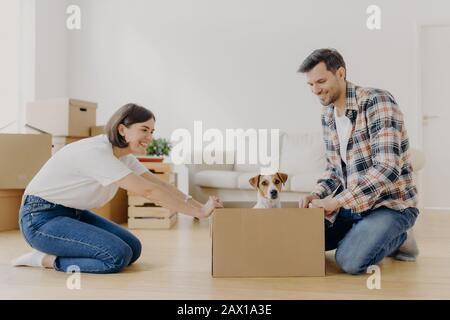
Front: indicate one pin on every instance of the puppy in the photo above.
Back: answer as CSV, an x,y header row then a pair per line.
x,y
269,188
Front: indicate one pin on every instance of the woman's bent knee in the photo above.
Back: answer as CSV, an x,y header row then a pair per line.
x,y
136,248
119,259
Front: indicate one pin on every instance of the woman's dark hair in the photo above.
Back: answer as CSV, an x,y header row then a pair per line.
x,y
127,115
332,59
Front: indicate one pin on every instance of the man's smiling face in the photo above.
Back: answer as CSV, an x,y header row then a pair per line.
x,y
324,83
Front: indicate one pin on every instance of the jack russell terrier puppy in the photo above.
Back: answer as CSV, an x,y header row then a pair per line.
x,y
269,187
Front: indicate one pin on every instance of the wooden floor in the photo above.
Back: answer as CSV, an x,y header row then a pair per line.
x,y
176,264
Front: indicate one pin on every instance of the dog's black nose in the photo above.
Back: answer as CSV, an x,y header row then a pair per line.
x,y
273,194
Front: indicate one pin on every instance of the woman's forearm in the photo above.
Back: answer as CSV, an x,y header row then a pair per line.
x,y
176,201
175,190
161,194
171,188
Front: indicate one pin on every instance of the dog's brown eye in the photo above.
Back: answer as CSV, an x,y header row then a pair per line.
x,y
277,181
264,183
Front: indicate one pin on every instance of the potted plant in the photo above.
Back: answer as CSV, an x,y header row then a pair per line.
x,y
157,150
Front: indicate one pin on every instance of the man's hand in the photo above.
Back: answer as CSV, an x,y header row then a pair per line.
x,y
306,200
329,204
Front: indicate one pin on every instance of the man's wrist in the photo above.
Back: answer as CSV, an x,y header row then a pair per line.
x,y
337,203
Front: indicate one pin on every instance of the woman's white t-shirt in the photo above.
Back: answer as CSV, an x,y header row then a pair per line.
x,y
81,175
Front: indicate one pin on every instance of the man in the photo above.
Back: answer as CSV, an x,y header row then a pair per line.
x,y
367,191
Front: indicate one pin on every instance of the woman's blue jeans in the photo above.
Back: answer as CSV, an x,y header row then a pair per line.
x,y
364,240
77,237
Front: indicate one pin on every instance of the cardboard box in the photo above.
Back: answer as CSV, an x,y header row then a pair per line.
x,y
95,131
10,201
57,141
21,157
286,242
62,117
116,209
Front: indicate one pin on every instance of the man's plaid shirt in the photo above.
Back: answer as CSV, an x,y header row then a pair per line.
x,y
379,171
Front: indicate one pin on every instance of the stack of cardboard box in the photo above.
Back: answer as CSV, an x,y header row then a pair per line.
x,y
142,213
67,120
21,157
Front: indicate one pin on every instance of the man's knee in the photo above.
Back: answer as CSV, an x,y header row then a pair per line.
x,y
351,263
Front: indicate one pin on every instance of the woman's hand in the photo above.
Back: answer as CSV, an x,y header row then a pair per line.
x,y
212,203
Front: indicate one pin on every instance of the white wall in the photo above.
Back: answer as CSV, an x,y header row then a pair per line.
x,y
10,29
33,59
233,63
51,50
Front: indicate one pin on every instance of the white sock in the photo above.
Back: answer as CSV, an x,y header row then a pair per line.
x,y
30,259
408,251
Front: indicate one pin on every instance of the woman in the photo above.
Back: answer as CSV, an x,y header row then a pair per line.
x,y
55,218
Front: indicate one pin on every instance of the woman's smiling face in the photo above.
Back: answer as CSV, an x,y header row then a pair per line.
x,y
138,135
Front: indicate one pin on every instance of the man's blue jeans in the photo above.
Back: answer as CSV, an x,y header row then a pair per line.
x,y
364,240
77,237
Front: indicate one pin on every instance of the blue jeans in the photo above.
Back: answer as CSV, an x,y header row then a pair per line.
x,y
77,237
364,240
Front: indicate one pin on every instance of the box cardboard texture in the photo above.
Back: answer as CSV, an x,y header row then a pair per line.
x,y
10,201
116,209
286,242
95,131
22,157
62,117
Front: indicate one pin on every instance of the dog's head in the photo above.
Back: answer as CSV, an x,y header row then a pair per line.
x,y
269,186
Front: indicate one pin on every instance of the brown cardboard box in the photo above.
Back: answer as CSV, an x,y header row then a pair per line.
x,y
95,131
57,141
21,157
287,242
10,201
62,117
115,210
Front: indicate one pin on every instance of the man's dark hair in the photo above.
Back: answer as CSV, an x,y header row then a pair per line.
x,y
332,59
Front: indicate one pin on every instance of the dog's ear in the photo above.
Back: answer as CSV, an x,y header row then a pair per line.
x,y
255,181
283,177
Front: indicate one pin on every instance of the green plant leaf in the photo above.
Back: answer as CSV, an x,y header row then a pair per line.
x,y
159,147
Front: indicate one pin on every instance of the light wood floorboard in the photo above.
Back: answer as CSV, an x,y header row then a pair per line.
x,y
176,264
